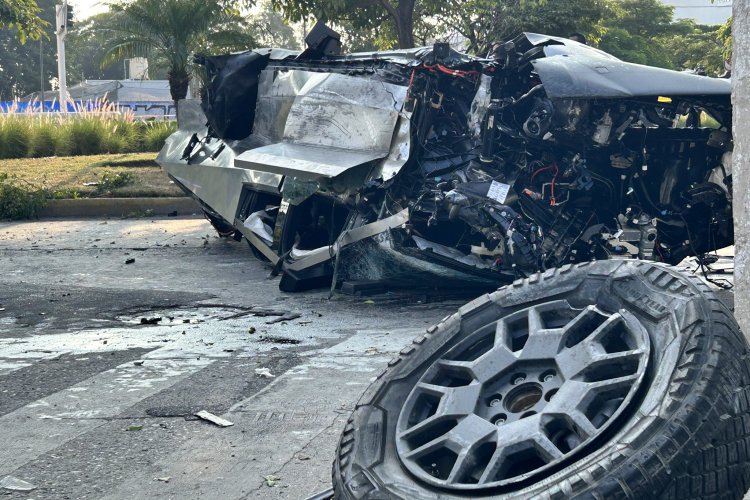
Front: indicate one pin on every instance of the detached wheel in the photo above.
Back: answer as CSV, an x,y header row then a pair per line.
x,y
611,379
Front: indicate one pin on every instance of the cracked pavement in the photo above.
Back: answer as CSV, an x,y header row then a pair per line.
x,y
103,364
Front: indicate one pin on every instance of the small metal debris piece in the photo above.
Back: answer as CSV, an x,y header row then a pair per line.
x,y
130,260
271,480
251,330
264,372
164,479
15,484
135,428
150,321
138,363
203,414
285,317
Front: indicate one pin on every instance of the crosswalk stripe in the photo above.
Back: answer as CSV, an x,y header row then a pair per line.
x,y
47,423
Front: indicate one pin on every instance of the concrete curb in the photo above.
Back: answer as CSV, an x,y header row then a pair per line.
x,y
119,207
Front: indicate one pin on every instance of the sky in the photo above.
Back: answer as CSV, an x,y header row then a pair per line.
x,y
87,8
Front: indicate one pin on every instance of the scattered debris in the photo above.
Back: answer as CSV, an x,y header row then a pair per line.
x,y
205,415
15,484
303,457
279,340
135,428
251,330
130,260
264,372
271,480
164,479
138,363
285,317
150,321
372,350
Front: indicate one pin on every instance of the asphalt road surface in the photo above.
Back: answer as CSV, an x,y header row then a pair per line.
x,y
104,363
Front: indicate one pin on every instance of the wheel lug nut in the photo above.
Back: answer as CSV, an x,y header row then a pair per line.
x,y
494,402
500,421
518,380
548,378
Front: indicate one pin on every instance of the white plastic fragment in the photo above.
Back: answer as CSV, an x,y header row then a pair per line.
x,y
15,484
271,480
205,415
264,372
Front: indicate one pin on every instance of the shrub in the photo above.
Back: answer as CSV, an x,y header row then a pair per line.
x,y
101,129
15,133
20,199
44,138
110,180
122,136
156,133
86,136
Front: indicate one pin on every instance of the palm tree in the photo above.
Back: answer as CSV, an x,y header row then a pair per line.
x,y
171,31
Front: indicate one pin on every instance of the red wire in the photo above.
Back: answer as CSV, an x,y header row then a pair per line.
x,y
554,178
411,80
452,72
540,171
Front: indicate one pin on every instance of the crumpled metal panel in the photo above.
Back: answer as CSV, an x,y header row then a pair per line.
x,y
303,161
345,112
400,147
573,70
277,91
216,182
335,123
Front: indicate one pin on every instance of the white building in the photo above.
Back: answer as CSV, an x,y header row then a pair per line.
x,y
702,11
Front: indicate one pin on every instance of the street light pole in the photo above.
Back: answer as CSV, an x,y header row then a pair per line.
x,y
61,18
41,73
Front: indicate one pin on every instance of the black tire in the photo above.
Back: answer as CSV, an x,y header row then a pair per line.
x,y
684,435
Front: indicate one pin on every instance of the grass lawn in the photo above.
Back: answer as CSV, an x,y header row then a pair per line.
x,y
67,176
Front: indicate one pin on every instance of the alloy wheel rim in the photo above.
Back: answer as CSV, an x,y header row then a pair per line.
x,y
521,396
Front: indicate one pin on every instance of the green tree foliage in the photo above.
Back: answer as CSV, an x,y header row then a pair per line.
x,y
271,29
402,15
644,18
23,17
19,62
172,31
634,31
640,31
698,46
86,47
484,22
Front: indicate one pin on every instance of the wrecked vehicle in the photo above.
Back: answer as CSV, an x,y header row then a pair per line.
x,y
559,171
400,167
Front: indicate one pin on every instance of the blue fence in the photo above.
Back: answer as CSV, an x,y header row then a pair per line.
x,y
144,109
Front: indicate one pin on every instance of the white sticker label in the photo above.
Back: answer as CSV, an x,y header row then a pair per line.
x,y
498,191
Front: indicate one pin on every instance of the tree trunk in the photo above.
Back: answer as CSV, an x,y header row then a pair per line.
x,y
404,21
741,157
402,14
178,85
